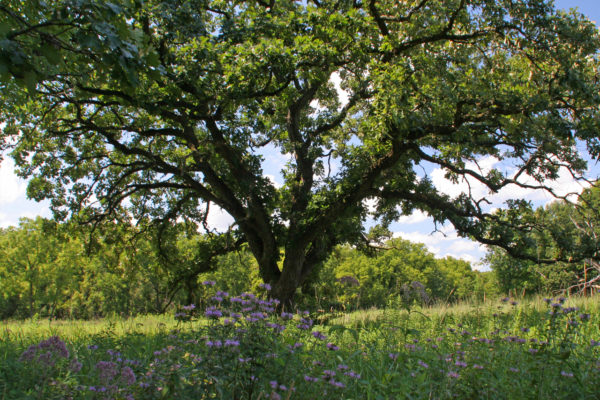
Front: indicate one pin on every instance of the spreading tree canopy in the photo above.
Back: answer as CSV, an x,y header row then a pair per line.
x,y
170,107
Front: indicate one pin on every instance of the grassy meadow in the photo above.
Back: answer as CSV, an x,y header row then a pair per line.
x,y
240,347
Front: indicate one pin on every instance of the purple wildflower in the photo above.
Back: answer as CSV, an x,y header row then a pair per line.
x,y
336,384
209,283
319,335
75,365
213,312
127,376
46,352
332,346
285,315
107,371
352,374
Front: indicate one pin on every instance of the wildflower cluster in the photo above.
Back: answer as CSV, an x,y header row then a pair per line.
x,y
242,346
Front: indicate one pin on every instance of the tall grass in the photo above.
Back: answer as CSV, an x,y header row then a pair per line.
x,y
241,348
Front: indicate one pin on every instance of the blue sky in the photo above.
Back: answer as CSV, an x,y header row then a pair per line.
x,y
417,227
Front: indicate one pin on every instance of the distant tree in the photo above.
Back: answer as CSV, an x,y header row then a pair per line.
x,y
403,273
28,254
457,279
169,107
513,274
568,231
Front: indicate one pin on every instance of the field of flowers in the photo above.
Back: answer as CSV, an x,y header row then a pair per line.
x,y
244,347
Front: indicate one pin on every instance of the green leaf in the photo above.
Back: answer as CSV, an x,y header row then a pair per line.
x,y
30,79
52,54
116,9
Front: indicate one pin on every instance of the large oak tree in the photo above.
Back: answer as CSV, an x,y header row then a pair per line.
x,y
169,107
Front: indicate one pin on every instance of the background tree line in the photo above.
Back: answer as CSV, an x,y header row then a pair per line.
x,y
65,270
55,269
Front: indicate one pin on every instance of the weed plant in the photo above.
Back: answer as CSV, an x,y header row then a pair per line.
x,y
245,347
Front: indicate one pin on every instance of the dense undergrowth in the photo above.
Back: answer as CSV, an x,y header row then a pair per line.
x,y
240,347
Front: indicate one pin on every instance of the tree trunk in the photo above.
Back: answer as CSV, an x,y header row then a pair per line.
x,y
301,257
291,276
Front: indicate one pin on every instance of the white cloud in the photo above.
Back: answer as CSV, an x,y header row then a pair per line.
x,y
34,210
564,185
4,221
416,217
463,185
273,181
11,186
446,242
343,95
219,219
371,205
